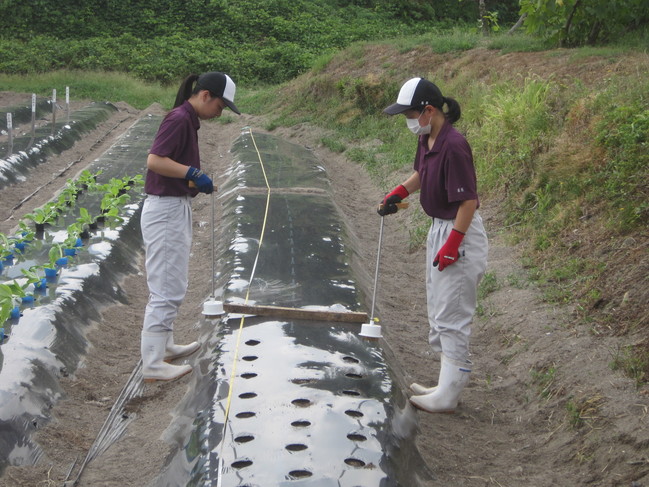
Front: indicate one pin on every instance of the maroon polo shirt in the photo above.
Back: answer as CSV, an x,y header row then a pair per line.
x,y
177,138
446,173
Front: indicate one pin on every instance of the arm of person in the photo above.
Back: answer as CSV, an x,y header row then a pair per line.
x,y
166,166
409,186
449,253
465,215
413,183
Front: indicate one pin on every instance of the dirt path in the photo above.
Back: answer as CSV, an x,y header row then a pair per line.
x,y
543,407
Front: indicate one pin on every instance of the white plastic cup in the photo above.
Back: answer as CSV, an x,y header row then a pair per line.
x,y
213,307
370,330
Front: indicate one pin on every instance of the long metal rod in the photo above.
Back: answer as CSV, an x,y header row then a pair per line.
x,y
213,249
376,272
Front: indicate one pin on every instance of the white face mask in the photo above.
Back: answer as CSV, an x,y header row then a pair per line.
x,y
415,128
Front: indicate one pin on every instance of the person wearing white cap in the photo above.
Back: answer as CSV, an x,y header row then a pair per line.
x,y
457,246
173,178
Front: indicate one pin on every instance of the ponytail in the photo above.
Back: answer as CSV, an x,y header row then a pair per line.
x,y
454,112
185,90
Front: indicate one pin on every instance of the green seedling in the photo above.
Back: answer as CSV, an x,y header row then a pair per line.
x,y
136,181
85,220
48,213
18,289
74,234
56,255
5,247
6,302
116,187
25,234
33,274
88,180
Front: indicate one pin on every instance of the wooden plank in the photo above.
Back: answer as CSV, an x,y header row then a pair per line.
x,y
296,313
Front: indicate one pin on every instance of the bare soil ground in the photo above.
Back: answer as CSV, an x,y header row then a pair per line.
x,y
543,407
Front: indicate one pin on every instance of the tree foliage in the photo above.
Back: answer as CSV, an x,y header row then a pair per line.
x,y
225,21
583,22
163,40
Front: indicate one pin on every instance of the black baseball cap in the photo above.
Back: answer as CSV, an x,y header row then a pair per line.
x,y
414,94
221,85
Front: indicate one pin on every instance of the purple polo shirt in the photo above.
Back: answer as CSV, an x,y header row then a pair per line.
x,y
446,173
177,138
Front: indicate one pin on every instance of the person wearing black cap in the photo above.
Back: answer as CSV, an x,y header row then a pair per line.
x,y
456,248
173,178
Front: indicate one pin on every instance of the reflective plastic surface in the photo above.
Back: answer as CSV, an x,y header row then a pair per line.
x,y
25,152
284,402
48,341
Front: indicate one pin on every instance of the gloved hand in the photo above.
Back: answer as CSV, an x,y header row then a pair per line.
x,y
449,253
389,204
200,179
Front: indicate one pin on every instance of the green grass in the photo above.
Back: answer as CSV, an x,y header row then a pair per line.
x,y
454,40
634,363
583,410
488,285
545,381
257,100
611,53
96,86
634,40
116,87
516,43
334,145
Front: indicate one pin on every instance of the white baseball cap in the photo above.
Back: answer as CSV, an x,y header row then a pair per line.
x,y
221,85
416,93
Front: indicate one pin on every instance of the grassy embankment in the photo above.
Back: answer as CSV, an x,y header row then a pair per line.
x,y
563,157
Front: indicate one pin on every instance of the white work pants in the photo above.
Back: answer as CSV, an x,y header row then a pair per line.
x,y
166,225
452,293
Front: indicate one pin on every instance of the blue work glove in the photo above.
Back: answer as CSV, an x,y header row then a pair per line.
x,y
200,179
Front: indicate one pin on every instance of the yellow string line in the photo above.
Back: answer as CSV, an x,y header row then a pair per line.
x,y
243,318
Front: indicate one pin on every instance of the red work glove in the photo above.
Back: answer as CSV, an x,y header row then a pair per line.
x,y
449,253
389,203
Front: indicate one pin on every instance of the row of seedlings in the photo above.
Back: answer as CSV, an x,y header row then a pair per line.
x,y
30,240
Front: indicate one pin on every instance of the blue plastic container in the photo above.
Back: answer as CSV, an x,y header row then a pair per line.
x,y
51,272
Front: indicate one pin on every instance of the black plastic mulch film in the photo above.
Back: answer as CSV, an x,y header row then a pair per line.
x,y
312,403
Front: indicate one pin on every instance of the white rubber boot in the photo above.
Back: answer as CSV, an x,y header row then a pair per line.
x,y
418,389
154,367
173,351
453,377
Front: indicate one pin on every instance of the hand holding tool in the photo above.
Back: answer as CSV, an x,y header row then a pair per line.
x,y
384,209
200,179
392,199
